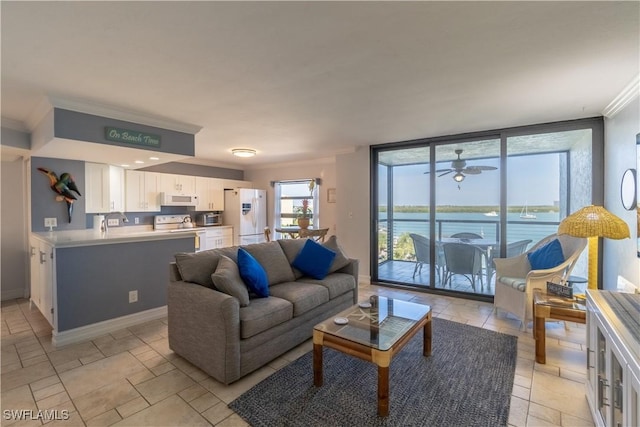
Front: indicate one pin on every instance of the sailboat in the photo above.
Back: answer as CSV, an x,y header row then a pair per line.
x,y
525,213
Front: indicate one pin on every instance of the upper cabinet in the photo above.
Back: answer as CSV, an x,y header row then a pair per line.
x,y
104,187
180,184
210,193
142,191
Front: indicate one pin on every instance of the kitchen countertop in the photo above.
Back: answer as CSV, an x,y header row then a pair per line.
x,y
90,237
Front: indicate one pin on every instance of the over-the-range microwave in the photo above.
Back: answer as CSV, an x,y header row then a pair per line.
x,y
172,199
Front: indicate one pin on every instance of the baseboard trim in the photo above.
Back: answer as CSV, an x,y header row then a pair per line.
x,y
95,330
364,279
12,294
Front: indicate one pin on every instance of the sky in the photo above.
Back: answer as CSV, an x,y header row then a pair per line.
x,y
531,179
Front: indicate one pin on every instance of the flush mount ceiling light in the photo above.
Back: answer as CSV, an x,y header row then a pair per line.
x,y
243,152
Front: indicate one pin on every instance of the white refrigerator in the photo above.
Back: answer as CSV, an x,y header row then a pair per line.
x,y
246,210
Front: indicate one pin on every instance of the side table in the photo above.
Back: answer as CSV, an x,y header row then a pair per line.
x,y
547,306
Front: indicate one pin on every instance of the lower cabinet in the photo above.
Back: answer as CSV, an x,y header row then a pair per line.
x,y
42,268
218,237
613,388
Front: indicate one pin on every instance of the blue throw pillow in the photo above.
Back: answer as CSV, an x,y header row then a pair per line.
x,y
547,256
314,260
253,274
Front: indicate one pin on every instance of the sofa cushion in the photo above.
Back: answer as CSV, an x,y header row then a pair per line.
x,y
197,267
314,260
341,259
253,274
291,249
227,279
303,296
517,283
337,283
263,314
273,260
547,256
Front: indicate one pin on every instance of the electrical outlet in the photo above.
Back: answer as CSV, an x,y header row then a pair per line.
x,y
51,222
136,220
133,296
113,222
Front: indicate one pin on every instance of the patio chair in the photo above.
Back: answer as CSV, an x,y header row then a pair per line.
x,y
466,235
513,249
423,250
464,259
515,280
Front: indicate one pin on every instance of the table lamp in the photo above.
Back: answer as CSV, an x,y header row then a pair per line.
x,y
593,222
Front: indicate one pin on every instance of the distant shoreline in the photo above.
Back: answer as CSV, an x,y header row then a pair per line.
x,y
470,209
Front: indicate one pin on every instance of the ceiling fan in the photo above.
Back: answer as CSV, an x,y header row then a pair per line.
x,y
461,169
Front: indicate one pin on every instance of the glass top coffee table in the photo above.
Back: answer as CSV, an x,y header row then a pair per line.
x,y
374,331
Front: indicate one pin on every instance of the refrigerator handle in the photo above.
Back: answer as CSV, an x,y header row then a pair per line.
x,y
254,217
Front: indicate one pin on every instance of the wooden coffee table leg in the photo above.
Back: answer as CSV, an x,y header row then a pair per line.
x,y
317,358
383,391
540,335
426,345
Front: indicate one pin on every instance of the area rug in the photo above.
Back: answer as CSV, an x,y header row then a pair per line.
x,y
467,381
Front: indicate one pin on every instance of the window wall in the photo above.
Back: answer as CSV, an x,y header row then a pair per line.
x,y
446,207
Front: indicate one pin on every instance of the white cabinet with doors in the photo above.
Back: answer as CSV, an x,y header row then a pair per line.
x,y
218,237
210,193
613,359
141,191
177,184
104,188
42,269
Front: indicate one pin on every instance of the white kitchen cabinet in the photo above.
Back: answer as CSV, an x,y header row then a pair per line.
x,y
613,362
104,188
218,237
180,184
141,191
42,270
210,193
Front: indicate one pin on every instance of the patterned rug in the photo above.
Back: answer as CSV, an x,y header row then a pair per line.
x,y
467,381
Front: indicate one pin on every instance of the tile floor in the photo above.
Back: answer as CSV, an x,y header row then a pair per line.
x,y
132,378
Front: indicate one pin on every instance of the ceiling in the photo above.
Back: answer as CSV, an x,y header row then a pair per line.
x,y
303,80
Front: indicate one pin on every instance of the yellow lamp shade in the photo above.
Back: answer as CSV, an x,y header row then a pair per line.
x,y
592,221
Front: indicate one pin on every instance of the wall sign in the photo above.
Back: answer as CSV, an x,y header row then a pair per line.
x,y
131,137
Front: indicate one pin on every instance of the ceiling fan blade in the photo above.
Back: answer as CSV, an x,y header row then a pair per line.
x,y
484,168
471,171
446,173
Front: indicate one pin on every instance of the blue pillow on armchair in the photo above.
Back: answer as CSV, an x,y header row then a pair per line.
x,y
253,274
314,260
547,256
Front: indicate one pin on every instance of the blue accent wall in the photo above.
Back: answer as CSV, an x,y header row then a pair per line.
x,y
88,127
15,138
87,294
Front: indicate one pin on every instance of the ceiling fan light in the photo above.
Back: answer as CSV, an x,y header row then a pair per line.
x,y
243,152
458,177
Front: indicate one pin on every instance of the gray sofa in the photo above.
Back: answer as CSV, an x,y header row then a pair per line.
x,y
214,332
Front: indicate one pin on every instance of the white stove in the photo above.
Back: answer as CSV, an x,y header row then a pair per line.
x,y
172,223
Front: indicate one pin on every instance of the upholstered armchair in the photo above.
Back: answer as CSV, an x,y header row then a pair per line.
x,y
515,279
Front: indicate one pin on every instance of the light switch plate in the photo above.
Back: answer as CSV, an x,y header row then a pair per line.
x,y
51,222
113,222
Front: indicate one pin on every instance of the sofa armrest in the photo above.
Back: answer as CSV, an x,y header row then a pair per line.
x,y
353,269
204,328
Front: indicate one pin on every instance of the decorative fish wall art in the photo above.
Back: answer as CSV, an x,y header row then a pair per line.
x,y
64,187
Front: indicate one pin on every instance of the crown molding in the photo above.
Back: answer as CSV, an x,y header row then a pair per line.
x,y
109,111
628,94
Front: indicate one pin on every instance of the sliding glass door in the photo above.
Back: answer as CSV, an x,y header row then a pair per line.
x,y
446,207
